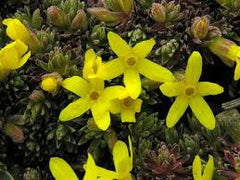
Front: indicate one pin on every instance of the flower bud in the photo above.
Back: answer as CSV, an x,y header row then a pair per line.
x,y
37,96
51,82
56,16
104,15
199,28
158,13
14,132
36,19
79,20
126,5
225,49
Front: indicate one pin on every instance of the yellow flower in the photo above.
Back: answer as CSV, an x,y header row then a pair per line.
x,y
51,82
227,51
191,92
127,107
61,170
122,161
13,56
92,92
132,62
93,96
16,30
197,169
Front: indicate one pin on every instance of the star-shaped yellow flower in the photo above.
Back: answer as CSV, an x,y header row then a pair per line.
x,y
197,169
190,92
132,62
93,94
127,107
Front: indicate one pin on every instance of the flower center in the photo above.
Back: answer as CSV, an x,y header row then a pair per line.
x,y
189,91
131,60
127,102
94,95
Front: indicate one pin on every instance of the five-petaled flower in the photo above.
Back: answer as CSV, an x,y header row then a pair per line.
x,y
131,62
197,169
13,56
191,92
127,107
93,94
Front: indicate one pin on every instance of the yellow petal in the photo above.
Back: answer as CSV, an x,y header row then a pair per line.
x,y
118,45
115,106
101,115
9,56
111,69
171,89
132,82
202,112
21,47
115,92
194,68
154,71
77,85
197,168
142,49
24,59
137,105
176,111
209,168
208,88
92,63
75,109
121,159
16,30
237,71
93,171
105,174
60,169
97,84
90,169
128,116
